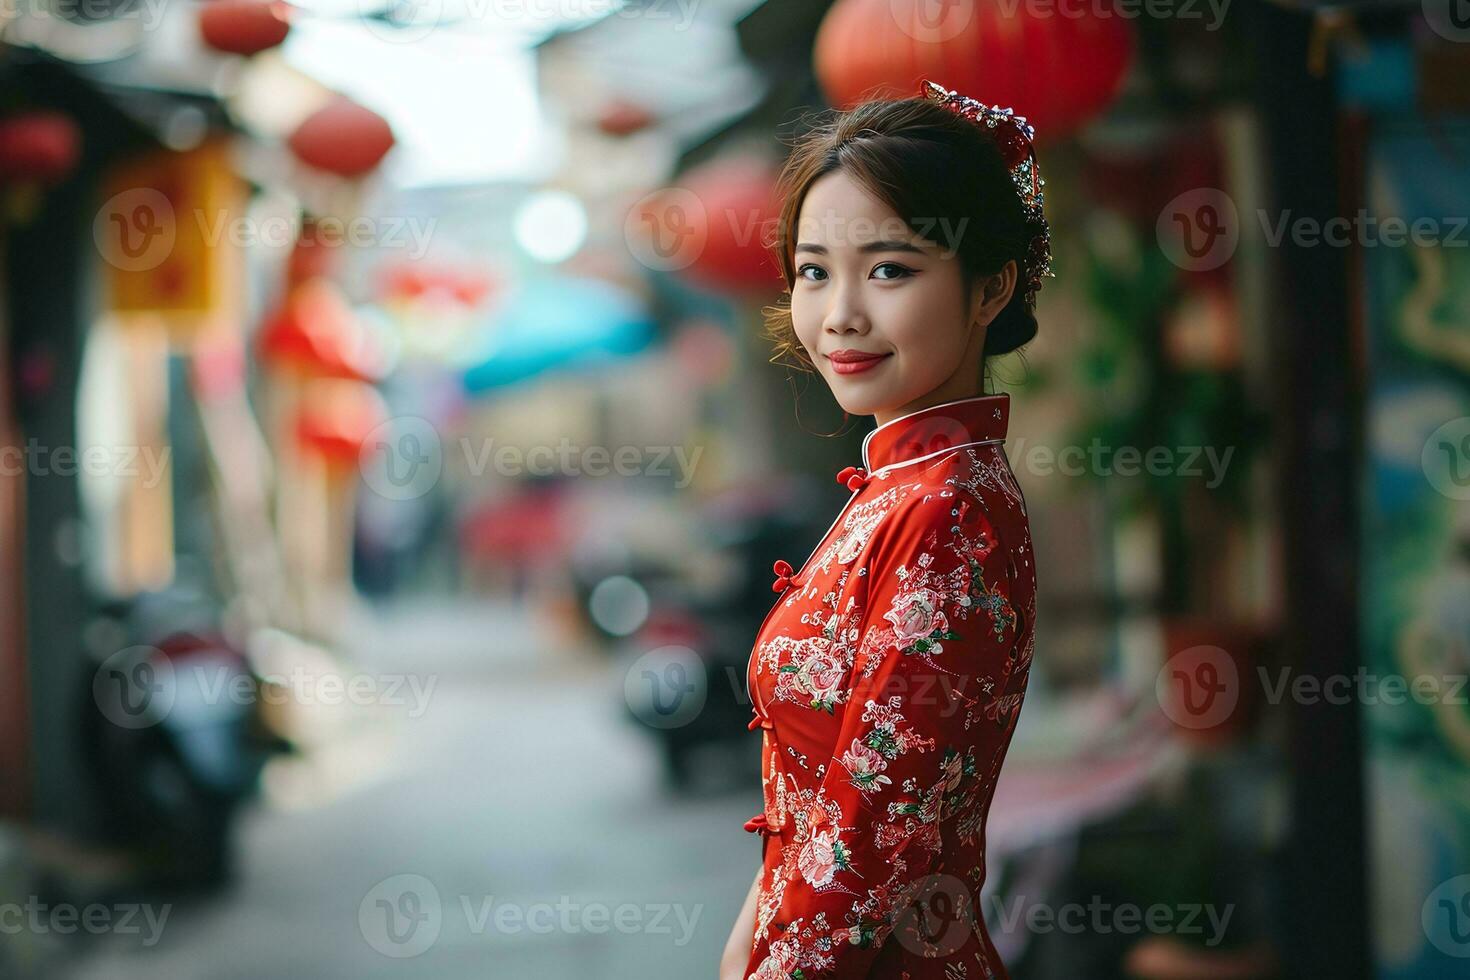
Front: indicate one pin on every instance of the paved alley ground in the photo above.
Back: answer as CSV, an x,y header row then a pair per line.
x,y
516,828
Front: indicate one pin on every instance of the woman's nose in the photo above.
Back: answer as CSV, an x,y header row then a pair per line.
x,y
846,314
846,322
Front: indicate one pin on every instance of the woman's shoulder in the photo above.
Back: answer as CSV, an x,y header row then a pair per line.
x,y
965,498
978,477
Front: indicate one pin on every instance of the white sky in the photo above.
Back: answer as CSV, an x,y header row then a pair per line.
x,y
460,94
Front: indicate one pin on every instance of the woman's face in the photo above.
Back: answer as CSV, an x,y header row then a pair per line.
x,y
880,310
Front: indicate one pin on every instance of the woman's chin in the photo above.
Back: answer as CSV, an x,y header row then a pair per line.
x,y
857,394
859,398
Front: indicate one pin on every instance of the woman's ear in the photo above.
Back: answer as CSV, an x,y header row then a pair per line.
x,y
993,294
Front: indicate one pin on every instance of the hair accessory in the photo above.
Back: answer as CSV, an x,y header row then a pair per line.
x,y
1013,135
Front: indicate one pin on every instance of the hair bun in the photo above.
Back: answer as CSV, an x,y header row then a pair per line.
x,y
1014,327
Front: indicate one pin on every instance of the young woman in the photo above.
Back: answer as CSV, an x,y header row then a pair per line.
x,y
889,676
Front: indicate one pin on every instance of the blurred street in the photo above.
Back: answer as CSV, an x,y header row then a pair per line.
x,y
524,770
417,419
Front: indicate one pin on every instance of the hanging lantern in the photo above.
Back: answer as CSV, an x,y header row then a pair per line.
x,y
619,117
40,147
313,255
343,138
1059,67
316,333
715,224
436,284
244,26
335,418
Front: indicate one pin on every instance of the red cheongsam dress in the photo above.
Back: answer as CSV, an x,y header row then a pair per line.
x,y
887,681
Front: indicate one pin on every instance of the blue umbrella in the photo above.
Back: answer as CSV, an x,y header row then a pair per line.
x,y
556,323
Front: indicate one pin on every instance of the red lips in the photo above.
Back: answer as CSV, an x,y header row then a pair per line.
x,y
847,355
848,361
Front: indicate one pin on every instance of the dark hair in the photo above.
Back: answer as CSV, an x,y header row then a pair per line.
x,y
928,164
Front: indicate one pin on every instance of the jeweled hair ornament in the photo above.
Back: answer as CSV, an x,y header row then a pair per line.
x,y
1013,135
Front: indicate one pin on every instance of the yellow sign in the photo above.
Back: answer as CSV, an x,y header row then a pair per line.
x,y
170,236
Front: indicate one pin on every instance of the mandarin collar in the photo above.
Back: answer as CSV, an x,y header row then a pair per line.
x,y
948,425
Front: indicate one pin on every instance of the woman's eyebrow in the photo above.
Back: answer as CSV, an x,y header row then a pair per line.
x,y
886,246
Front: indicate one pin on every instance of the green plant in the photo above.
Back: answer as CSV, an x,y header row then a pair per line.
x,y
1145,400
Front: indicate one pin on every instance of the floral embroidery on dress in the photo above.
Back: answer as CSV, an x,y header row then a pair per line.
x,y
822,854
858,526
812,674
892,680
867,757
919,622
994,602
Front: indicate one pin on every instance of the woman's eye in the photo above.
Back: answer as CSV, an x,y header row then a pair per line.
x,y
899,271
802,272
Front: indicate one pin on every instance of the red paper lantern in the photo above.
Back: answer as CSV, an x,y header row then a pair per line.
x,y
1058,68
342,138
40,146
619,117
244,26
336,417
315,332
419,281
313,255
714,226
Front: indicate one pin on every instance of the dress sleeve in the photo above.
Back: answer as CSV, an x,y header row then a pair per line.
x,y
928,694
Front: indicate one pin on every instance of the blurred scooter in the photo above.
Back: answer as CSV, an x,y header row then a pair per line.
x,y
687,657
173,735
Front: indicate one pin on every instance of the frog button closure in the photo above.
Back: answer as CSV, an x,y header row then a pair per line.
x,y
757,825
783,571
